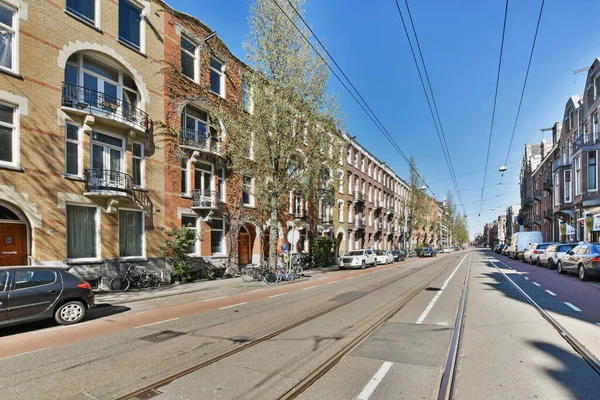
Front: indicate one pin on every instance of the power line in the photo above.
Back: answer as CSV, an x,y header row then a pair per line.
x,y
487,159
374,117
440,130
473,172
525,82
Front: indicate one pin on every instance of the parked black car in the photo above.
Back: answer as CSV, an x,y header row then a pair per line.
x,y
34,293
584,260
399,255
429,252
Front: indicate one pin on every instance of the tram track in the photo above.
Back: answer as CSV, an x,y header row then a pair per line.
x,y
152,389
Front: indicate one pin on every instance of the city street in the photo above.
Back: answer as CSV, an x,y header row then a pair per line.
x,y
378,333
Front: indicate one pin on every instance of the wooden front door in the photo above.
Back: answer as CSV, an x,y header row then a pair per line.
x,y
13,244
244,249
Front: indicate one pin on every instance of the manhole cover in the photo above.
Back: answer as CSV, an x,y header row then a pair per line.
x,y
162,336
345,297
148,394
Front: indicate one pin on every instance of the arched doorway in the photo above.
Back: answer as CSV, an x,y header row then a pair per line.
x,y
14,240
244,247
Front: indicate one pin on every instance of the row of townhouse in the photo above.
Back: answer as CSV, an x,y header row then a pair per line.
x,y
87,176
559,179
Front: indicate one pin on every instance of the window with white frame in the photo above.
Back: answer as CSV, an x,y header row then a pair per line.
x,y
349,183
247,191
369,168
355,159
137,164
577,162
362,164
131,25
340,182
341,211
349,156
84,9
595,127
247,97
217,77
189,58
350,214
9,137
592,173
222,185
567,190
131,233
73,155
82,232
185,187
217,236
192,224
9,21
297,205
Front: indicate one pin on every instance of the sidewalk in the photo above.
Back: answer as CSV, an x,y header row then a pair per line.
x,y
193,287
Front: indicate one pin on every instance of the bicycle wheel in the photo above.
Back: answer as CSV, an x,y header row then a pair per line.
x,y
248,274
271,277
119,284
153,281
297,272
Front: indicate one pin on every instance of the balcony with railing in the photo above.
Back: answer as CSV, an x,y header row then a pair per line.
x,y
537,219
549,214
377,204
202,141
299,215
527,201
359,197
104,182
548,185
326,220
585,140
390,211
378,227
204,199
537,195
88,101
359,223
558,163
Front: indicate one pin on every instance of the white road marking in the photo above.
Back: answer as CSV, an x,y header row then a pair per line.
x,y
257,290
310,287
437,296
329,283
214,298
156,323
352,277
277,295
550,293
527,278
233,305
536,284
143,312
374,382
572,306
595,284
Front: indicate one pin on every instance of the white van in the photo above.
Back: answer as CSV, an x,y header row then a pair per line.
x,y
520,241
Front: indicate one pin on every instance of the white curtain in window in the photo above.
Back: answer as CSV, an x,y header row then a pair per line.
x,y
130,233
5,48
81,232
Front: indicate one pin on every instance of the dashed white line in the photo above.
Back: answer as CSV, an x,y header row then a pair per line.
x,y
550,293
536,284
143,312
233,305
572,306
257,290
374,382
214,298
329,283
156,323
277,295
527,278
352,277
310,287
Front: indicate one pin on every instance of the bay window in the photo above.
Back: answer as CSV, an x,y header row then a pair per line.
x,y
131,233
82,232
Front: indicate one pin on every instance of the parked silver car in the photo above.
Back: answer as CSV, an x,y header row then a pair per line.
x,y
584,260
533,252
549,258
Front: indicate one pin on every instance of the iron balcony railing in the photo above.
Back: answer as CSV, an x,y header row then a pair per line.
x,y
377,204
537,194
359,223
378,227
548,185
359,196
199,140
326,221
204,199
584,141
527,200
101,104
299,216
104,180
560,163
548,214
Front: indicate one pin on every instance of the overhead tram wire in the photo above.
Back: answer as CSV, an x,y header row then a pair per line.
x,y
372,117
524,83
473,172
442,136
487,158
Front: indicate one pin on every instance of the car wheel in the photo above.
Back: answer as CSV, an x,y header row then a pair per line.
x,y
583,275
341,268
559,268
374,263
69,313
550,264
363,265
538,263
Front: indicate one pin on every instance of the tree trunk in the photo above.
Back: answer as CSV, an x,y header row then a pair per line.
x,y
273,231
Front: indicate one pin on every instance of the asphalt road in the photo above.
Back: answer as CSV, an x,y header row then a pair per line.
x,y
508,349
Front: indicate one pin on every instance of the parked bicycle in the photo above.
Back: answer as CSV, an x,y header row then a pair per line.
x,y
273,276
253,273
304,260
138,279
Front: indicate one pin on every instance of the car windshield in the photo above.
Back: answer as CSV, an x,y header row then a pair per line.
x,y
542,246
565,248
379,252
354,253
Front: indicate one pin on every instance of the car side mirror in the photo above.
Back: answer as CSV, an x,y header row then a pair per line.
x,y
570,252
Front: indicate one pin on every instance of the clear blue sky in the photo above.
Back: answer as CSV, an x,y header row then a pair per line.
x,y
461,43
